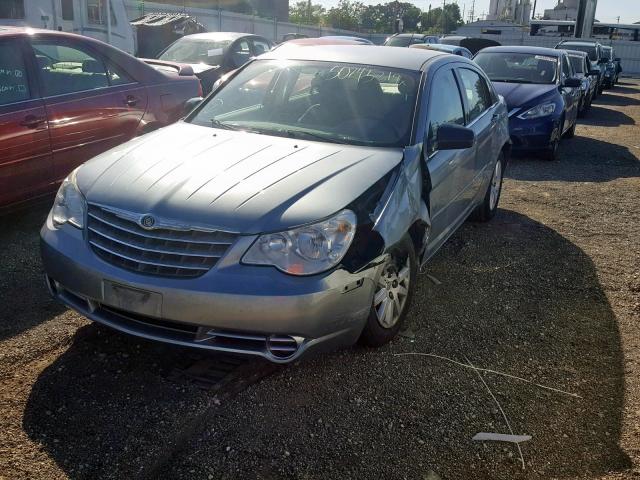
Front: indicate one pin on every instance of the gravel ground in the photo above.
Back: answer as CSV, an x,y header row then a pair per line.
x,y
548,291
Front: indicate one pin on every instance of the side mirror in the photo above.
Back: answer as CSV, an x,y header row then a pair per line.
x,y
190,104
572,82
454,137
594,73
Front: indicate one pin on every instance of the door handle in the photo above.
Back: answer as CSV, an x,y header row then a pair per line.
x,y
131,101
31,121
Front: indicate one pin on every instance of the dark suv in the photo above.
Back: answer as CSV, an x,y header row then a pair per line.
x,y
596,57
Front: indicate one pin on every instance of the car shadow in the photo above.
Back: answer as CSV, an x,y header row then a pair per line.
x,y
601,115
628,88
515,296
609,98
23,295
585,160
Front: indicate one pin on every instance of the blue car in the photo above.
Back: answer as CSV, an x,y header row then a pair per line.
x,y
541,91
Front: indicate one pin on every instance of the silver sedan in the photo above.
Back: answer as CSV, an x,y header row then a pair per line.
x,y
290,211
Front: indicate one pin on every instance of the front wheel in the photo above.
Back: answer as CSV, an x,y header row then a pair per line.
x,y
392,296
489,206
572,131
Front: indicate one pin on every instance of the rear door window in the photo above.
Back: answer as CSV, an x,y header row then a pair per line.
x,y
68,69
14,85
477,93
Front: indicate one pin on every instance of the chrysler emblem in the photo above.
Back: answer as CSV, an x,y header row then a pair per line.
x,y
147,222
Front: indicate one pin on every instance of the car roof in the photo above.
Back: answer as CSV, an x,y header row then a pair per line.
x,y
550,52
443,47
607,47
404,58
413,35
578,42
575,53
219,35
308,42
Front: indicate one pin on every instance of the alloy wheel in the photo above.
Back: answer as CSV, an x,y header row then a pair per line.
x,y
391,293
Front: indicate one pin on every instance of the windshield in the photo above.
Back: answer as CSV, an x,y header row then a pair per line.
x,y
589,50
518,67
191,50
577,63
404,41
332,102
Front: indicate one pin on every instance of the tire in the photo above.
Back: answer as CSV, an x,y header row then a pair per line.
x,y
489,206
551,153
572,131
400,273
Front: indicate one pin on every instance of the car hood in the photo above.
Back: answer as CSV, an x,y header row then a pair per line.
x,y
521,94
233,181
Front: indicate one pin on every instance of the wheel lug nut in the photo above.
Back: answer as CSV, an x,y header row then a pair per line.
x,y
394,284
391,295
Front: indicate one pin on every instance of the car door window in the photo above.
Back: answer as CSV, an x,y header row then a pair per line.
x,y
260,46
567,72
117,76
445,106
240,53
67,69
476,92
14,86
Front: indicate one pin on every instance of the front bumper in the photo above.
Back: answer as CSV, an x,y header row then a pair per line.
x,y
233,308
532,135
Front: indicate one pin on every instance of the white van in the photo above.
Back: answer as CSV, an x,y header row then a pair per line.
x,y
84,17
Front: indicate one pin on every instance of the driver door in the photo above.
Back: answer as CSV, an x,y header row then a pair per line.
x,y
449,170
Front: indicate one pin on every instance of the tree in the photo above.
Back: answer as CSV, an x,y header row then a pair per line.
x,y
347,15
304,12
433,21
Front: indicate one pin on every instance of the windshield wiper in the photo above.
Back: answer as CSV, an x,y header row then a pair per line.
x,y
226,126
303,133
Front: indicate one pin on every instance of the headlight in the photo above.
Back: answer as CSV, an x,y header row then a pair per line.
x,y
69,205
305,250
543,110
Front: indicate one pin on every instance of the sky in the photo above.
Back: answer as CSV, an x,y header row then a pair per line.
x,y
608,10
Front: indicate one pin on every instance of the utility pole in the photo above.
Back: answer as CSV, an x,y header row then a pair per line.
x,y
473,10
444,17
535,4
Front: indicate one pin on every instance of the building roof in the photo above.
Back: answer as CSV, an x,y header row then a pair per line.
x,y
392,57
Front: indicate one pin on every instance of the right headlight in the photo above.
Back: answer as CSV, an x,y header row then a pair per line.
x,y
542,110
69,205
306,250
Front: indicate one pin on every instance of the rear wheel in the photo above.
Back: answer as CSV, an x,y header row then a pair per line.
x,y
392,296
489,206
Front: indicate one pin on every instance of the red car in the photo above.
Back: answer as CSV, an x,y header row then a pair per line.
x,y
65,98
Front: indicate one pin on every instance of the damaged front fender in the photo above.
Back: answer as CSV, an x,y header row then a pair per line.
x,y
402,204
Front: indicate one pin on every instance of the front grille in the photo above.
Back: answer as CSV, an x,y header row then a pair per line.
x,y
162,251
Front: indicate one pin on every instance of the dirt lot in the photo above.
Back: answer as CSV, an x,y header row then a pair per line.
x,y
548,291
